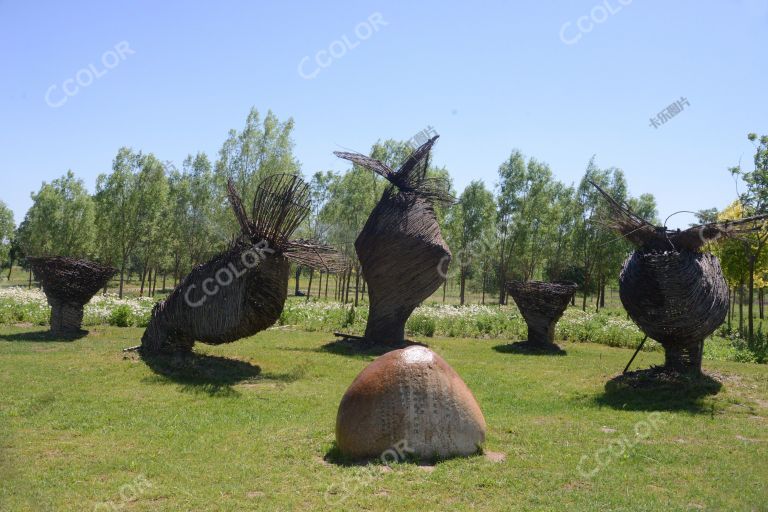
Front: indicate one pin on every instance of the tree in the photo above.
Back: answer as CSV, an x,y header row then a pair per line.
x,y
597,250
560,247
129,203
525,193
259,150
468,223
735,255
7,228
193,237
60,221
155,220
314,228
754,201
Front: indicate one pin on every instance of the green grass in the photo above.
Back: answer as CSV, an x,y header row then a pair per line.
x,y
80,423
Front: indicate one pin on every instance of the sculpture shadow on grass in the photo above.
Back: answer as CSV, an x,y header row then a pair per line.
x,y
362,347
530,349
214,375
659,389
335,457
44,336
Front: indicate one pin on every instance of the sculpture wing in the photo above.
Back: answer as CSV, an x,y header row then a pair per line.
x,y
369,163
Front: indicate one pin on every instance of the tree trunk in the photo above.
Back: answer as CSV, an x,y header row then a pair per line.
x,y
298,275
462,284
484,274
502,284
357,285
122,278
146,274
597,298
319,284
348,285
741,307
176,271
327,277
751,297
602,294
309,286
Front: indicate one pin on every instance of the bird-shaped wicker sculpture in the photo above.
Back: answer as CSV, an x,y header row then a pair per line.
x,y
243,290
672,290
401,250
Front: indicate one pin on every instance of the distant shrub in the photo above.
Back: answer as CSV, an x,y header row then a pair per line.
x,y
421,325
121,316
350,320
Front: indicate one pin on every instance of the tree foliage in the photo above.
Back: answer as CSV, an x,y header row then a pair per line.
x,y
60,221
130,203
7,228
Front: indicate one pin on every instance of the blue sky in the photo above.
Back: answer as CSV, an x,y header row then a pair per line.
x,y
488,76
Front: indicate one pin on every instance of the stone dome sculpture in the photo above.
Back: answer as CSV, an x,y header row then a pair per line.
x,y
413,399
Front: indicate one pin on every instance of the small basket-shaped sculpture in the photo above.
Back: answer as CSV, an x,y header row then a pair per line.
x,y
68,284
541,304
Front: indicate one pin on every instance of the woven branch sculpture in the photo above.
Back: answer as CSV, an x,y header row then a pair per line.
x,y
541,304
69,284
243,290
400,248
676,294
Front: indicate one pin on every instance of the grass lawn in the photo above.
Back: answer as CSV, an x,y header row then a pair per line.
x,y
83,427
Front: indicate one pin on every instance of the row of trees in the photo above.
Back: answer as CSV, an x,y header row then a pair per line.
x,y
148,218
536,227
745,260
